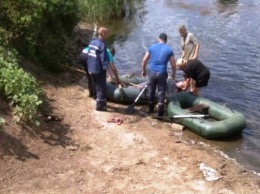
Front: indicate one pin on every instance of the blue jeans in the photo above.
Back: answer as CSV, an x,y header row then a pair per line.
x,y
157,80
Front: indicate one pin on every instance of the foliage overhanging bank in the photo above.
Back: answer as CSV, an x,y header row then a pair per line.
x,y
20,88
40,30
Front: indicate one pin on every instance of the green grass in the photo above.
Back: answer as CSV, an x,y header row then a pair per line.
x,y
100,10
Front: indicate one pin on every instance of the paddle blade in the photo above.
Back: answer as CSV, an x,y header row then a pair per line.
x,y
130,109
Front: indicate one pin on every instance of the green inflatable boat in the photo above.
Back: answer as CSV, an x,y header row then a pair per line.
x,y
133,80
133,86
127,94
214,122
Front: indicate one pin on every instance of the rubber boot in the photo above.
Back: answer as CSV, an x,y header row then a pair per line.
x,y
101,105
160,110
151,108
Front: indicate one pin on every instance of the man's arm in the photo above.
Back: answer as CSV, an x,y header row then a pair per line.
x,y
173,66
114,70
144,63
196,52
103,55
192,85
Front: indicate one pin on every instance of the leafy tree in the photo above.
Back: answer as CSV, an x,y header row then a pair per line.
x,y
39,29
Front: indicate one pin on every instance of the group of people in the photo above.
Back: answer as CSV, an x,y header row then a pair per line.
x,y
97,59
195,73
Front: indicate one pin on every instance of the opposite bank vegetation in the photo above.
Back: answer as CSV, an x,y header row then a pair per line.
x,y
39,31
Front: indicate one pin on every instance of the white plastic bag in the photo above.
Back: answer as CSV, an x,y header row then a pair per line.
x,y
210,174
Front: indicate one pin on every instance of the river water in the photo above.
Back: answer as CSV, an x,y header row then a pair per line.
x,y
229,35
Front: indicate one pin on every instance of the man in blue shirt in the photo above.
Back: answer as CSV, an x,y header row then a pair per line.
x,y
158,54
97,65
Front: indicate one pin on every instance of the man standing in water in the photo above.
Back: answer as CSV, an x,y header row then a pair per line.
x,y
158,54
98,63
189,44
190,49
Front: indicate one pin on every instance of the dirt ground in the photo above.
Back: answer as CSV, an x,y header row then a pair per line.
x,y
76,150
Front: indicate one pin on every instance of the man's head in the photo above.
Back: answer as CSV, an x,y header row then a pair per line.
x,y
181,63
163,37
102,33
182,30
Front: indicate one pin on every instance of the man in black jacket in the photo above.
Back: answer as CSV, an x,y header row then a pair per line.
x,y
196,70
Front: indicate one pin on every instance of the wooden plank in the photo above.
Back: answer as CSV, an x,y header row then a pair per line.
x,y
176,127
198,107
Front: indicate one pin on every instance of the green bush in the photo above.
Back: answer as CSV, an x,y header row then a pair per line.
x,y
20,88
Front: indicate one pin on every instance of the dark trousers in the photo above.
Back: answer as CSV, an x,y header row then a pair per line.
x,y
101,89
91,85
158,80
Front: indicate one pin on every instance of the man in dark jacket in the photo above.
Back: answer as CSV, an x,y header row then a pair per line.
x,y
83,58
97,65
196,70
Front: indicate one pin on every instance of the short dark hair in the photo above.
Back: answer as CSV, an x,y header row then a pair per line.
x,y
163,36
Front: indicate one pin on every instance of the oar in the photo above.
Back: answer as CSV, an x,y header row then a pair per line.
x,y
183,116
130,109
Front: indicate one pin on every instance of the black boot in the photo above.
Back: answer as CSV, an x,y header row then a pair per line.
x,y
101,106
160,110
151,108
